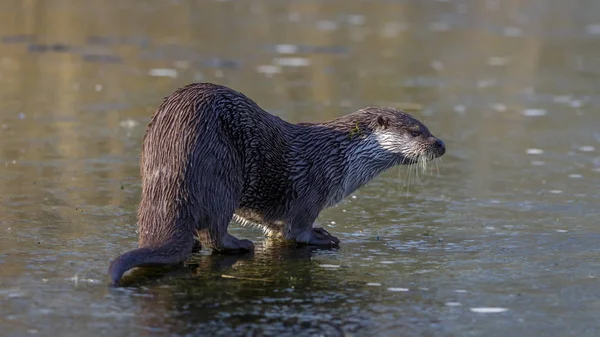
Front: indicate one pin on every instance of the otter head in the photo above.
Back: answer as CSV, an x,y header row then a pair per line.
x,y
403,136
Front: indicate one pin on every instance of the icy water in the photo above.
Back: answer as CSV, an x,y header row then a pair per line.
x,y
499,238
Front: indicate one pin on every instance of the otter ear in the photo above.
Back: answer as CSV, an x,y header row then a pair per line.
x,y
383,121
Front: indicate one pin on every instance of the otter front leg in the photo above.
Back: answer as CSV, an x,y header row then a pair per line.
x,y
303,232
317,236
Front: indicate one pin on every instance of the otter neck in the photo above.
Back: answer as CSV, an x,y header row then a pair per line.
x,y
365,159
347,161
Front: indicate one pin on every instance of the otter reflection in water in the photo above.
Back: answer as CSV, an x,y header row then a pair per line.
x,y
211,154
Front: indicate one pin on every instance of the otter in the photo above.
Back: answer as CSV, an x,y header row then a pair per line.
x,y
210,154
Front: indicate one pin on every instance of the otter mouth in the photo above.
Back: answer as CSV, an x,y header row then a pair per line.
x,y
422,159
431,152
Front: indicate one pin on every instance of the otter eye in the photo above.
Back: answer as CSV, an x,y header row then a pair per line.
x,y
415,133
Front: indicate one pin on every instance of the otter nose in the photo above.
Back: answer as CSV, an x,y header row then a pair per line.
x,y
439,145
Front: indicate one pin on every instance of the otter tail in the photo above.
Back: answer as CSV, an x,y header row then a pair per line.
x,y
168,253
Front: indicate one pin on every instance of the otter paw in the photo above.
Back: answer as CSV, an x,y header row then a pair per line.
x,y
232,245
321,237
197,246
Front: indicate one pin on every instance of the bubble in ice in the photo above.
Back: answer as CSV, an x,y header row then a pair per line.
x,y
286,48
488,310
453,304
513,31
498,107
593,29
497,61
330,265
534,112
292,61
163,72
535,151
397,289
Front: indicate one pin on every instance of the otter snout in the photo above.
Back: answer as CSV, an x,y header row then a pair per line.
x,y
439,147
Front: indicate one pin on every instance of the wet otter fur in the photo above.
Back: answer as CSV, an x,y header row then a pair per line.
x,y
211,154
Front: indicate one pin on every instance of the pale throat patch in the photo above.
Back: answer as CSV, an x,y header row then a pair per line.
x,y
390,141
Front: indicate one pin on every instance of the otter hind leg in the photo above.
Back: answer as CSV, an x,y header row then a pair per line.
x,y
228,243
217,237
197,245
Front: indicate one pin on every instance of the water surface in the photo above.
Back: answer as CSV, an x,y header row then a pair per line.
x,y
499,238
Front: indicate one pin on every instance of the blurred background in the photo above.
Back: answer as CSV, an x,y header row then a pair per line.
x,y
499,237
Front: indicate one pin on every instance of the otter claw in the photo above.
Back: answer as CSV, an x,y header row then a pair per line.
x,y
321,237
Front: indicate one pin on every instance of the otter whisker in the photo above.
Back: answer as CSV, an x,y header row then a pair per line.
x,y
407,179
